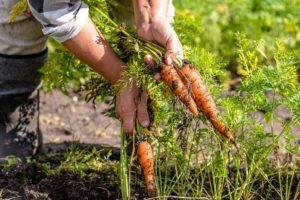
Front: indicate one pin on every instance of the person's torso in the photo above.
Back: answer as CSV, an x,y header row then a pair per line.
x,y
23,36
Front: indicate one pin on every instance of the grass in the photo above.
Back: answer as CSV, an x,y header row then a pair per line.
x,y
77,159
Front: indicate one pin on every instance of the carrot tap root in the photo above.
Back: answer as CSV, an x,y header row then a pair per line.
x,y
146,160
222,128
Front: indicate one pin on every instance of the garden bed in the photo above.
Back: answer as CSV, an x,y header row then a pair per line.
x,y
48,176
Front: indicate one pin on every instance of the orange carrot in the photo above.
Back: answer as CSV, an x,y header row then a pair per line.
x,y
170,75
199,90
146,159
222,128
202,96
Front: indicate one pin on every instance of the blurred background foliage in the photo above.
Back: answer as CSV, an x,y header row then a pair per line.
x,y
216,23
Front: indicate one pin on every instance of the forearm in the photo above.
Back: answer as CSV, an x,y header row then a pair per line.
x,y
90,46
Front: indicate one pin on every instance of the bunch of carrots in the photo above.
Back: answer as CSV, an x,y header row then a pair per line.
x,y
183,78
189,86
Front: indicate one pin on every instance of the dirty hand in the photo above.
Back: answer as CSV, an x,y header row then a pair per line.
x,y
131,103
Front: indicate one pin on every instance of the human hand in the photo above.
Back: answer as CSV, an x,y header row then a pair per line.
x,y
90,46
162,32
131,103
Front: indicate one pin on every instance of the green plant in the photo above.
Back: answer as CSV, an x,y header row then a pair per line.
x,y
85,161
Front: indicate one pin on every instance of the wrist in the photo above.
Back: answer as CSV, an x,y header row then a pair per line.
x,y
116,72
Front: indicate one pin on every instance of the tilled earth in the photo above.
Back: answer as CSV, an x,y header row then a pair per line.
x,y
69,118
64,119
25,180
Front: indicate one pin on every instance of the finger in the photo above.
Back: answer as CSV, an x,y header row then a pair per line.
x,y
126,109
174,49
127,115
128,123
149,61
171,51
142,111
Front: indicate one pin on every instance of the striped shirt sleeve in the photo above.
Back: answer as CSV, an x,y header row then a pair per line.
x,y
61,19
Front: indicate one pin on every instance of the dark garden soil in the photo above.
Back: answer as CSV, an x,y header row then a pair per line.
x,y
30,181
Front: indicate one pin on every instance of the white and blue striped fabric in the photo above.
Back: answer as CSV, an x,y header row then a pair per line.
x,y
61,19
